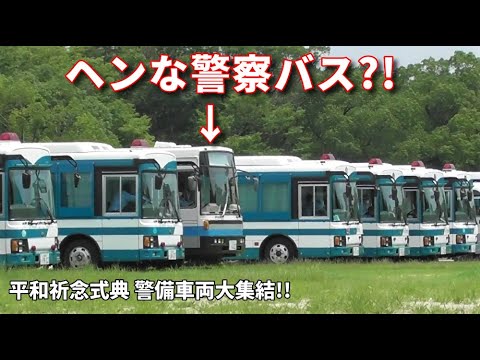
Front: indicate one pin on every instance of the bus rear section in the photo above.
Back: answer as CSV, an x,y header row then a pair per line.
x,y
297,210
28,225
123,208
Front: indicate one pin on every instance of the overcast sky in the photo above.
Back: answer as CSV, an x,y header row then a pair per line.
x,y
404,55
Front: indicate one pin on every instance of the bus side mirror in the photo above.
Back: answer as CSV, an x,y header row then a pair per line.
x,y
76,179
394,194
158,182
192,183
255,183
26,180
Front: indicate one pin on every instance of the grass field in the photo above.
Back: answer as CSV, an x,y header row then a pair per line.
x,y
319,287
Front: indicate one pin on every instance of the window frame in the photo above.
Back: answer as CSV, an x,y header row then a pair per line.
x,y
121,175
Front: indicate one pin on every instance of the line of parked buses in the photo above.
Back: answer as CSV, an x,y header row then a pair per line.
x,y
84,203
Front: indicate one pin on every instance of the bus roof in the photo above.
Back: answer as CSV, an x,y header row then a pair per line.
x,y
293,167
418,171
265,160
31,152
76,147
107,154
182,151
456,174
377,169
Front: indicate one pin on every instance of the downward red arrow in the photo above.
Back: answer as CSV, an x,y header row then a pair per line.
x,y
210,133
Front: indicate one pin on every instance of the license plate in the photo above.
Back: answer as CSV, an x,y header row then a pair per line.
x,y
172,254
443,250
356,251
44,259
401,251
232,245
473,248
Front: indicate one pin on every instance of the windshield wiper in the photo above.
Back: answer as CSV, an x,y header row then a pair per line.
x,y
47,209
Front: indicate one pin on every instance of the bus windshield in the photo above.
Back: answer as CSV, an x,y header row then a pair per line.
x,y
390,209
344,206
159,203
433,209
35,202
218,190
464,209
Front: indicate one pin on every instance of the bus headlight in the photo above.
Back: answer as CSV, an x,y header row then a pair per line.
x,y
339,240
385,241
19,245
427,240
150,242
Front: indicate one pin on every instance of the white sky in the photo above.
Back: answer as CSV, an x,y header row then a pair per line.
x,y
404,55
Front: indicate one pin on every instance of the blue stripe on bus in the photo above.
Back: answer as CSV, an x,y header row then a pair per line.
x,y
141,254
461,231
200,231
427,232
380,232
118,231
24,233
340,232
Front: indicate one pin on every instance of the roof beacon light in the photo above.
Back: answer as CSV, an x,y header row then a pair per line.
x,y
9,136
448,167
375,161
139,143
417,163
328,156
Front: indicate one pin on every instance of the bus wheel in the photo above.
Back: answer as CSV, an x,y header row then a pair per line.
x,y
80,253
279,251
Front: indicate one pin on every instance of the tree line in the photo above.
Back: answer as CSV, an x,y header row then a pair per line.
x,y
432,114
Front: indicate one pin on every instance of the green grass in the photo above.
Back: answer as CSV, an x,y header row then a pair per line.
x,y
315,287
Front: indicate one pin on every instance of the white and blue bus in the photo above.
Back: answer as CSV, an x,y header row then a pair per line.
x,y
425,209
209,208
385,229
297,209
124,209
29,232
461,209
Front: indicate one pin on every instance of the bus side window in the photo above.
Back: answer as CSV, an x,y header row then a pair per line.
x,y
307,201
188,198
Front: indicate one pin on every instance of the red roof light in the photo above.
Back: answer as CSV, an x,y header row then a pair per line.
x,y
9,136
417,163
139,143
448,166
375,161
328,156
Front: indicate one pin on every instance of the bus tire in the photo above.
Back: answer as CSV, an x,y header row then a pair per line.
x,y
80,253
279,251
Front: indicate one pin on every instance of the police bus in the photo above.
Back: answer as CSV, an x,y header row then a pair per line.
x,y
385,227
209,208
461,209
28,226
124,209
298,209
424,208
